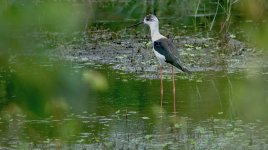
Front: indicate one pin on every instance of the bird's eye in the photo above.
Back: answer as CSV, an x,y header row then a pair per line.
x,y
149,19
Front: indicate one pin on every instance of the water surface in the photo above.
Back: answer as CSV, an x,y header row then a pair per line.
x,y
122,111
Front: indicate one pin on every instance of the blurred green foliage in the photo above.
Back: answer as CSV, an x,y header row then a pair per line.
x,y
21,19
37,90
256,12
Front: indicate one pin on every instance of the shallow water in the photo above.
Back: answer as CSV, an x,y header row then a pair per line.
x,y
118,110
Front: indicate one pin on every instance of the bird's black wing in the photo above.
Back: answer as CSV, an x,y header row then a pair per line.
x,y
165,47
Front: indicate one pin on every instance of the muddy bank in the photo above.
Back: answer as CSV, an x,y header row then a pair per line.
x,y
132,52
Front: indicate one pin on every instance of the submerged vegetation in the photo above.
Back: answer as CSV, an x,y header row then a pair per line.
x,y
72,76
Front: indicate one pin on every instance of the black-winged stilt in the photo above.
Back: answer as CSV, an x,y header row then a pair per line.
x,y
165,51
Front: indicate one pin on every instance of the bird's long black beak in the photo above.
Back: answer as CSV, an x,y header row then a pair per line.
x,y
134,25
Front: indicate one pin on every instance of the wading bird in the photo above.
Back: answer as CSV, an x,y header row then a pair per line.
x,y
165,51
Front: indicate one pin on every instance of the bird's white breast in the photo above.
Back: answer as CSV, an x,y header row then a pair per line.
x,y
156,36
161,58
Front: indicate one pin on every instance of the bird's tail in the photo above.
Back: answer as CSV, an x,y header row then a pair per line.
x,y
186,70
182,68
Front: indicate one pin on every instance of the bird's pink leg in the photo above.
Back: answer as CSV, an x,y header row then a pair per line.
x,y
161,91
174,91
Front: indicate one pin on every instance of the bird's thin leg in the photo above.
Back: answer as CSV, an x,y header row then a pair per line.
x,y
161,90
174,91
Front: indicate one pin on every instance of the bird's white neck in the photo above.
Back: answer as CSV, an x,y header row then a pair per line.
x,y
155,35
